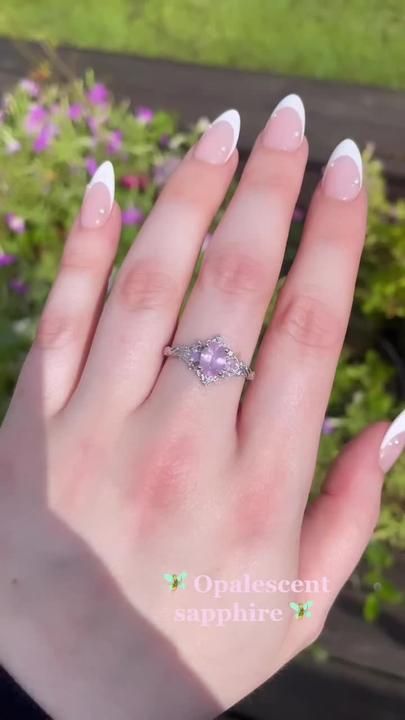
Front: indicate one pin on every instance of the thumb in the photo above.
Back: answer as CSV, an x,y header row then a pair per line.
x,y
339,524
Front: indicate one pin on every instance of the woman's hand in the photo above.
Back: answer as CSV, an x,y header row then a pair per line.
x,y
119,466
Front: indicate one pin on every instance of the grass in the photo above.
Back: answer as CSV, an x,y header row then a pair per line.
x,y
357,41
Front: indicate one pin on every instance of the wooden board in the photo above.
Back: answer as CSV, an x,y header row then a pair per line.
x,y
334,110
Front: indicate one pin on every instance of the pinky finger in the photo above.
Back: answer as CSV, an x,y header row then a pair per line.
x,y
338,525
54,363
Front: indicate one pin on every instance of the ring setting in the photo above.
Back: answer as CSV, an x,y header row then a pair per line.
x,y
211,360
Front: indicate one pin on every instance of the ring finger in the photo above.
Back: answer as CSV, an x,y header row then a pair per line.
x,y
297,360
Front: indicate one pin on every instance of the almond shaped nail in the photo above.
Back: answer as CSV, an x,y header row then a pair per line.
x,y
343,175
393,443
220,139
286,126
99,197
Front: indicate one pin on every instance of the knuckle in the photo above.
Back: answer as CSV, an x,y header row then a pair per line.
x,y
234,273
74,258
261,176
188,189
54,330
144,286
168,469
309,322
80,255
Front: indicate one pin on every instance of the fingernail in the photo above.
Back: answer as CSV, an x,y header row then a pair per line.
x,y
286,125
98,198
343,176
219,140
393,443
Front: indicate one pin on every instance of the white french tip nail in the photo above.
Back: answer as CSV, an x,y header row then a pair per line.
x,y
348,148
105,174
294,102
396,428
232,117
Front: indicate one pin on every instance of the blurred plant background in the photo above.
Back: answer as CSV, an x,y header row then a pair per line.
x,y
52,137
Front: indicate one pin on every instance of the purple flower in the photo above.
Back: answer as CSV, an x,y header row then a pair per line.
x,y
30,87
91,165
206,242
298,214
15,223
328,426
164,170
75,112
115,142
35,120
45,138
18,286
164,141
12,146
98,94
6,260
132,216
144,115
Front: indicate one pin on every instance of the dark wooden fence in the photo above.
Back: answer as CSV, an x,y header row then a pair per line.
x,y
367,672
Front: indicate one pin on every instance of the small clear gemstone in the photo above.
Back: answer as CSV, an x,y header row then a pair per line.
x,y
195,355
233,364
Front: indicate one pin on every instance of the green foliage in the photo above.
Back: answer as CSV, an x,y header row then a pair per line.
x,y
382,590
381,288
43,171
42,188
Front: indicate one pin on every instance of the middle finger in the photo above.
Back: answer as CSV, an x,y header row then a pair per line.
x,y
244,257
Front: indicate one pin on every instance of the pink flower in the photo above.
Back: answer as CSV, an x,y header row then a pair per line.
x,y
30,87
91,165
131,182
98,94
94,124
6,260
75,112
135,182
132,216
144,115
115,142
35,120
15,223
12,146
45,138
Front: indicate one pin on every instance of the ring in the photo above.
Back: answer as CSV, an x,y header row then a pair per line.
x,y
211,360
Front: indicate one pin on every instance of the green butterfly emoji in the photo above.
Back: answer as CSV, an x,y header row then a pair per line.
x,y
302,609
176,581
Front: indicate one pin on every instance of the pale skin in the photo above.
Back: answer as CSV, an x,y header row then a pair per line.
x,y
117,465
